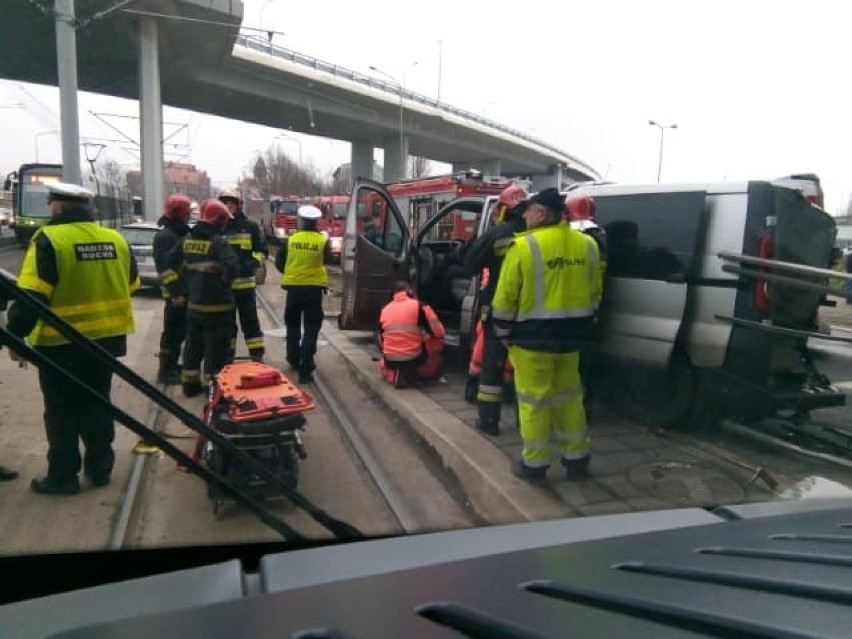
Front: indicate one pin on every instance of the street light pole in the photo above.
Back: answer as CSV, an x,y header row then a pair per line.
x,y
662,137
299,142
440,66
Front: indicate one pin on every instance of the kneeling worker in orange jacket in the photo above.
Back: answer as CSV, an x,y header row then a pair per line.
x,y
411,338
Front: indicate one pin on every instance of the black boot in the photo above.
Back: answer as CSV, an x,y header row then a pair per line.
x,y
509,394
48,486
576,469
488,421
7,474
471,388
169,372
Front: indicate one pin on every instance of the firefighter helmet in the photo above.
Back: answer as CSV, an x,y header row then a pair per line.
x,y
215,213
510,198
230,193
513,195
579,206
178,208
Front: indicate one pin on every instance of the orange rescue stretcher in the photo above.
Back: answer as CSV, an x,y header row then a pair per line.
x,y
261,412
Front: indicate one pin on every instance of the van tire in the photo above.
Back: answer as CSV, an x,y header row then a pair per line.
x,y
672,400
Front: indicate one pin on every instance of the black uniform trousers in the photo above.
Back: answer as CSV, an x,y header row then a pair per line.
x,y
208,338
494,356
246,308
70,416
304,305
174,330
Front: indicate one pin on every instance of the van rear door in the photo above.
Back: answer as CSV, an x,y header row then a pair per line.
x,y
654,247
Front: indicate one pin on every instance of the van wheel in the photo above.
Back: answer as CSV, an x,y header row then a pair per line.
x,y
672,400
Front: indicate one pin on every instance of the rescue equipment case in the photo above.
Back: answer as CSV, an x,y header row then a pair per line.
x,y
261,412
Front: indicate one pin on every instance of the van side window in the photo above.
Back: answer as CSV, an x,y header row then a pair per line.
x,y
651,236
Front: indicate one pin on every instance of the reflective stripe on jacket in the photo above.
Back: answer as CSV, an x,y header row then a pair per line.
x,y
403,323
549,289
92,292
206,265
304,265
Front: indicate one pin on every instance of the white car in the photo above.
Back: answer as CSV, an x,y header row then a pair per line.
x,y
140,237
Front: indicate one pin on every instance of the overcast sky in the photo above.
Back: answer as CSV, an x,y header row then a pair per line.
x,y
756,87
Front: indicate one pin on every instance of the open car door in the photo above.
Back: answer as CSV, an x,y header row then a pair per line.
x,y
436,248
654,245
373,258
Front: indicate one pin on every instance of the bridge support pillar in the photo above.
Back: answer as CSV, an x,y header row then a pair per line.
x,y
552,179
396,157
66,67
487,167
361,160
150,120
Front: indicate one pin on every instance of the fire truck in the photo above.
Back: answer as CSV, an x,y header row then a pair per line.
x,y
418,200
279,219
333,222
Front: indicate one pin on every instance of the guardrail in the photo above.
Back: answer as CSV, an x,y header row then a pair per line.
x,y
258,44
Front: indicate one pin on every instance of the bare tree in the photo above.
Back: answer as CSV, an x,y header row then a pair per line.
x,y
420,167
277,174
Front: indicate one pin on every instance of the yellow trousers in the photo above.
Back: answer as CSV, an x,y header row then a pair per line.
x,y
550,399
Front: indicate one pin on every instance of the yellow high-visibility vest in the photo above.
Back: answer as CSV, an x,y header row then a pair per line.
x,y
304,265
550,273
93,290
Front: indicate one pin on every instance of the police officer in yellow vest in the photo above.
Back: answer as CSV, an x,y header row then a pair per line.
x,y
302,259
85,273
544,308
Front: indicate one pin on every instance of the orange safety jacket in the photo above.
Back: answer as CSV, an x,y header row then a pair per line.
x,y
404,324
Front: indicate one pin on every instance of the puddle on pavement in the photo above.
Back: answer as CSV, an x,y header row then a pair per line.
x,y
815,487
686,484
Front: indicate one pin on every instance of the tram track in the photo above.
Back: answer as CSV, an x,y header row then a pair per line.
x,y
394,501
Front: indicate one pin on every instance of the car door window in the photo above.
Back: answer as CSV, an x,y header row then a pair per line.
x,y
392,236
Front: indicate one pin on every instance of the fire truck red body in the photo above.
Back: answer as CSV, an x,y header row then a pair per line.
x,y
333,221
418,200
279,220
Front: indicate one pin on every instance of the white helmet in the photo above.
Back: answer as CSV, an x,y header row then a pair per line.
x,y
309,212
230,192
68,192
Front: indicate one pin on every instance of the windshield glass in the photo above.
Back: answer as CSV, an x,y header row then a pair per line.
x,y
34,194
662,320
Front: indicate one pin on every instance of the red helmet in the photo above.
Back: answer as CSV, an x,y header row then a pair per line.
x,y
215,213
579,206
510,197
178,208
513,195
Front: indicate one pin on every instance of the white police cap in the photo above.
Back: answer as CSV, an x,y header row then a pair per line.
x,y
68,192
309,212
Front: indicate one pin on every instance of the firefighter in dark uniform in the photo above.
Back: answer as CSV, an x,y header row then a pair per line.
x,y
174,222
301,261
488,252
245,237
208,265
85,273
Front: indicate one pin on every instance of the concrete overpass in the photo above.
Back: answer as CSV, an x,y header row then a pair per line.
x,y
189,54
